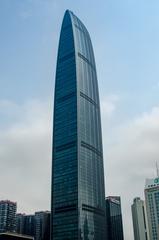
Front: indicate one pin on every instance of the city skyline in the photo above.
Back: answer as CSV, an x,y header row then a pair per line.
x,y
130,122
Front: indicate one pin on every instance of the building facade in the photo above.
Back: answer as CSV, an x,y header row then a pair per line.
x,y
37,226
29,225
25,224
7,216
114,223
152,207
42,225
20,222
78,195
139,218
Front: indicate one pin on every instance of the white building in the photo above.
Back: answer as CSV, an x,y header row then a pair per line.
x,y
152,207
140,225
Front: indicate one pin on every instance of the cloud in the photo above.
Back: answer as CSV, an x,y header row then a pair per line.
x,y
130,159
25,153
108,105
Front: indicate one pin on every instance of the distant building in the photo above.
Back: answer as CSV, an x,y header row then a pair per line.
x,y
114,225
7,216
25,224
152,206
37,226
29,225
14,236
20,223
42,225
139,217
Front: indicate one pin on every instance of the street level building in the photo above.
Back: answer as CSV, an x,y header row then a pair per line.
x,y
78,195
139,218
7,216
114,223
152,206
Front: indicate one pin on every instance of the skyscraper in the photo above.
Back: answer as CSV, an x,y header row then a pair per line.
x,y
139,217
7,216
78,197
114,223
152,206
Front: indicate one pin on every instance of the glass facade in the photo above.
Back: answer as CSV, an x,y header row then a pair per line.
x,y
78,198
114,225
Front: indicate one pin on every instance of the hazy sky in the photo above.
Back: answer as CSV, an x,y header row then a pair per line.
x,y
125,37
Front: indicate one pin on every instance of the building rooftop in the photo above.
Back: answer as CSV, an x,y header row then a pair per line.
x,y
152,183
7,201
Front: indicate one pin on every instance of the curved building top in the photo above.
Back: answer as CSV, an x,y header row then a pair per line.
x,y
78,194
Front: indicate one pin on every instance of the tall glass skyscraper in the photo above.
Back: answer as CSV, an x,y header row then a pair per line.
x,y
78,196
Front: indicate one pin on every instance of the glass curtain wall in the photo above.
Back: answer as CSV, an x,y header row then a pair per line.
x,y
78,205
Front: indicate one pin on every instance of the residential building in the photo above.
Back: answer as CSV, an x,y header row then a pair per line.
x,y
114,223
29,225
20,223
42,225
7,216
78,192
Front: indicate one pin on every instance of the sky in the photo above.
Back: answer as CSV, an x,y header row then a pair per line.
x,y
125,37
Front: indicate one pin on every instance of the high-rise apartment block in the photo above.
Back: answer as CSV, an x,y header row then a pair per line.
x,y
152,207
25,224
20,223
37,226
42,225
114,224
29,225
78,193
139,217
7,216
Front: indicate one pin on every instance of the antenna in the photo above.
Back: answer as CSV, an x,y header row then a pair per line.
x,y
157,169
